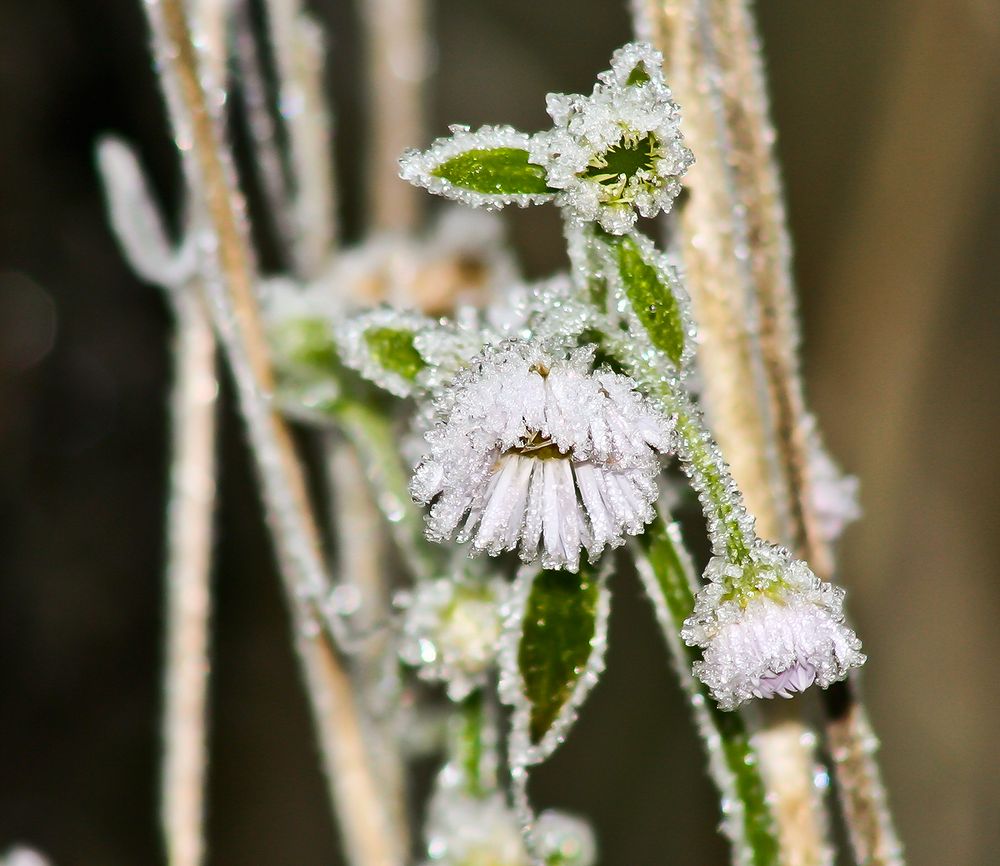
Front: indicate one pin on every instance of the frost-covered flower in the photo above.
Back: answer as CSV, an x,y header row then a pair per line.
x,y
608,156
532,446
618,150
484,831
776,637
473,831
451,630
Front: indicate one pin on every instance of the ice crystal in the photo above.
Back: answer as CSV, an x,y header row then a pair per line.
x,y
451,630
532,446
618,151
769,628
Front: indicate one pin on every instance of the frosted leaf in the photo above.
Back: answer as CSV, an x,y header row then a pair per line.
x,y
551,655
485,168
380,345
770,628
136,218
618,152
299,320
451,628
650,299
532,448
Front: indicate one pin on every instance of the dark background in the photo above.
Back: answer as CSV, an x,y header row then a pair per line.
x,y
888,120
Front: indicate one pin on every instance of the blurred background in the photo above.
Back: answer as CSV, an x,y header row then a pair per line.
x,y
889,122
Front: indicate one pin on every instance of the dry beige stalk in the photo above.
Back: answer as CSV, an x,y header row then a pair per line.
x,y
194,101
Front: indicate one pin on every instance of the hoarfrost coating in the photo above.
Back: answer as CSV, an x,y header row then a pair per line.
x,y
777,639
533,447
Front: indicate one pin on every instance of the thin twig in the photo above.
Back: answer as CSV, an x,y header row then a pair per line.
x,y
189,556
229,279
298,48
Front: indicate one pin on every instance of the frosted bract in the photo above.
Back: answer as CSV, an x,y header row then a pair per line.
x,y
533,448
380,345
451,629
617,152
777,637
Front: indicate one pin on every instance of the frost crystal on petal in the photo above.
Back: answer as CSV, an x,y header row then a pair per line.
x,y
619,151
533,448
451,630
776,639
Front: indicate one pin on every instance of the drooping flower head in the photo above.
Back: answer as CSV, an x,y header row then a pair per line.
x,y
533,447
619,150
451,630
773,639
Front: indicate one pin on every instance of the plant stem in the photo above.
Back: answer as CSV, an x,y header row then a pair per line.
x,y
229,278
671,582
298,47
396,36
191,503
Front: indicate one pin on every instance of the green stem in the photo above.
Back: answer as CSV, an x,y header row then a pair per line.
x,y
370,431
470,744
671,583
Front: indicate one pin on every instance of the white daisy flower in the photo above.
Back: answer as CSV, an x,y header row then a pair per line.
x,y
533,447
776,637
451,631
619,150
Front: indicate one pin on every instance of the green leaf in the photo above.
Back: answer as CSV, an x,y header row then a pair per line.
x,y
494,171
648,289
560,620
393,350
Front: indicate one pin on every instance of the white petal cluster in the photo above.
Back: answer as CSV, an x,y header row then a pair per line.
x,y
619,150
451,630
484,831
777,640
532,447
474,831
